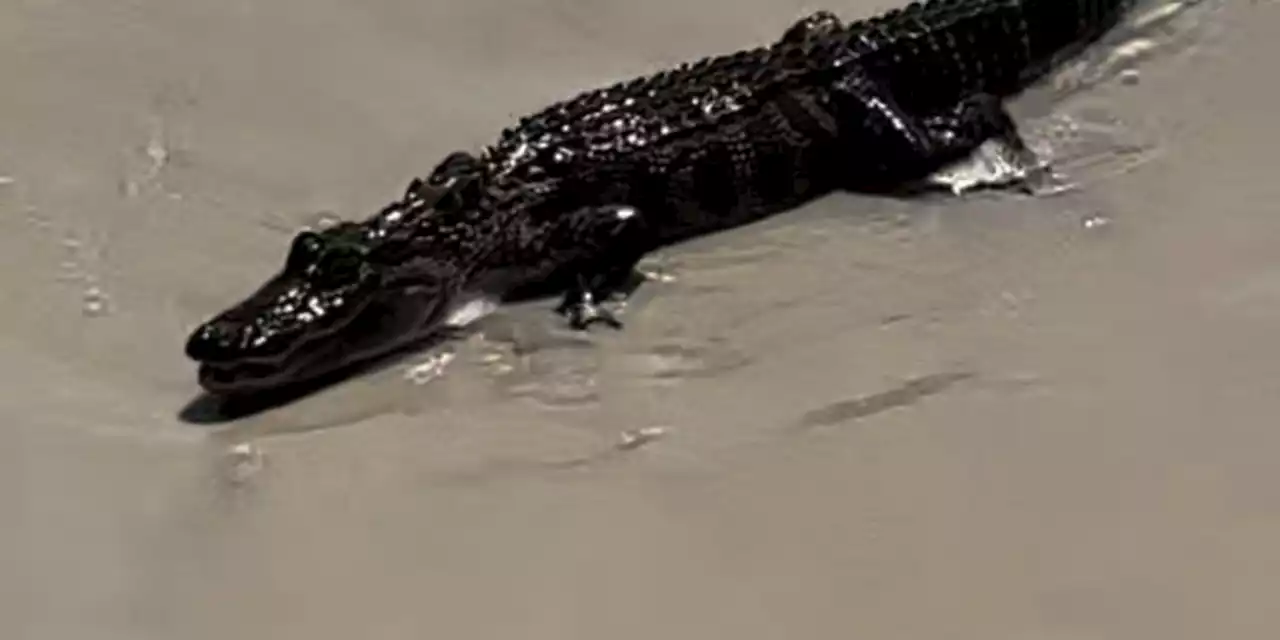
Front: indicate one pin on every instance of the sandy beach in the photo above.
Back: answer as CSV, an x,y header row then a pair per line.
x,y
982,418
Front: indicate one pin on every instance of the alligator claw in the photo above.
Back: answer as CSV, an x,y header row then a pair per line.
x,y
582,309
585,313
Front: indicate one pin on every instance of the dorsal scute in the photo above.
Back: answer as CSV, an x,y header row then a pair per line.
x,y
650,109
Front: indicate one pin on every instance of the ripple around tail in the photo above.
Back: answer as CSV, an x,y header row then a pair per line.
x,y
1153,30
1085,142
1091,144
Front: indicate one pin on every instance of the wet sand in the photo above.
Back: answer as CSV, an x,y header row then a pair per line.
x,y
988,418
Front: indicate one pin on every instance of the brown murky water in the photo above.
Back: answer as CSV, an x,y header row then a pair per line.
x,y
990,418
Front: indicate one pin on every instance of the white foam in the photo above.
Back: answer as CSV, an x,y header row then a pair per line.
x,y
470,310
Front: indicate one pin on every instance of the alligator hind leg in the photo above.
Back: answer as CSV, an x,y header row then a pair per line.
x,y
1001,160
996,165
890,149
608,242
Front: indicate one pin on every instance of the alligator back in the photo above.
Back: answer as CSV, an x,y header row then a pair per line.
x,y
928,54
601,125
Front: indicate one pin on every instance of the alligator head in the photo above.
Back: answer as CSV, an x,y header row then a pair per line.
x,y
340,299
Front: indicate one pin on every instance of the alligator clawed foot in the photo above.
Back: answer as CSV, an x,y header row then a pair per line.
x,y
997,165
582,310
585,305
598,296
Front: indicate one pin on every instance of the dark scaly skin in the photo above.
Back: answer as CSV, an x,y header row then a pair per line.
x,y
577,193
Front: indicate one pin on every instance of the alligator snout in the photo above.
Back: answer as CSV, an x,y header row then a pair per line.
x,y
220,341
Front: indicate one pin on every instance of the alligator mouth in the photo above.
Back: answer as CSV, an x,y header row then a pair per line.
x,y
243,377
378,330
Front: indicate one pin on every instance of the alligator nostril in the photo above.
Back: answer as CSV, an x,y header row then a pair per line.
x,y
216,341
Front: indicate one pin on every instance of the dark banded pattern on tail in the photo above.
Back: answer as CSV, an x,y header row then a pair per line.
x,y
931,54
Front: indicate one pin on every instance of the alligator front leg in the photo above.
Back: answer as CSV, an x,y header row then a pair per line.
x,y
894,150
609,241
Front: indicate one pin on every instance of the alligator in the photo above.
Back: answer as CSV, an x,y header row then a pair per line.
x,y
570,198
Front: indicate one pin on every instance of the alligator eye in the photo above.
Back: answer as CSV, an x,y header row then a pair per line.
x,y
306,248
340,265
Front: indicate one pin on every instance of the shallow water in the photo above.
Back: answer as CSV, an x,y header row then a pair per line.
x,y
990,417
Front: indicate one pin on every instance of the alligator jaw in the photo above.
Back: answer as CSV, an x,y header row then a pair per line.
x,y
381,329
